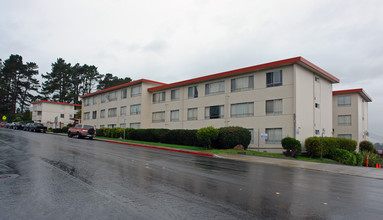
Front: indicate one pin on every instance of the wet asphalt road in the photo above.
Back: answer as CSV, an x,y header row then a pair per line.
x,y
46,176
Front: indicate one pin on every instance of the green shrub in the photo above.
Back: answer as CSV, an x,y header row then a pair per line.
x,y
57,130
127,133
292,145
313,145
343,156
116,132
373,158
207,135
151,135
366,146
64,129
106,132
359,159
100,132
181,137
229,137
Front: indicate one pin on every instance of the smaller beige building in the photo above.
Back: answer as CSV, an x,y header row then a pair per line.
x,y
54,114
350,114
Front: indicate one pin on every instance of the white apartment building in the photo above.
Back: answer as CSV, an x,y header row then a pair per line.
x,y
54,114
350,114
290,97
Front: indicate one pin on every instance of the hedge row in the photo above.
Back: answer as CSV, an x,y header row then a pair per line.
x,y
60,130
228,137
313,145
346,157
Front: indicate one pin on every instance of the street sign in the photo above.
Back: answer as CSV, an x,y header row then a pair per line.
x,y
4,118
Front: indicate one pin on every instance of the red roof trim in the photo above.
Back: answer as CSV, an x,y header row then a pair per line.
x,y
248,69
360,91
122,85
61,103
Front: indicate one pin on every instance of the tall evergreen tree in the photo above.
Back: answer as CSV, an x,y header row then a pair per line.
x,y
109,81
16,84
58,83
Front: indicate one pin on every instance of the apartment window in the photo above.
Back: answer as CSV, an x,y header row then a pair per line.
x,y
274,135
122,125
159,97
344,100
158,116
192,114
62,116
242,109
242,83
274,78
94,114
317,132
274,107
94,100
124,93
103,98
317,105
316,79
112,112
212,112
86,102
344,120
111,125
86,115
39,113
348,136
112,96
136,125
135,91
102,126
175,115
193,92
122,110
135,109
102,113
175,95
215,88
252,135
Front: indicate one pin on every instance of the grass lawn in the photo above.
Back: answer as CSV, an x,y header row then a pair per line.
x,y
218,151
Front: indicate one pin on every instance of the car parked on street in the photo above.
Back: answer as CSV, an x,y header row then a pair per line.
x,y
18,126
82,131
27,127
38,127
2,124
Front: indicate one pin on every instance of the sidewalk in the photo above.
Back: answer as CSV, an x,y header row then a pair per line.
x,y
367,172
324,167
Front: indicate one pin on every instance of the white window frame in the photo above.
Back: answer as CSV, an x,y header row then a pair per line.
x,y
123,111
159,97
275,109
192,92
344,120
158,117
102,113
242,83
274,135
124,93
215,88
135,125
135,109
221,113
94,100
94,114
344,101
135,91
245,109
192,114
112,112
175,115
274,78
175,95
347,136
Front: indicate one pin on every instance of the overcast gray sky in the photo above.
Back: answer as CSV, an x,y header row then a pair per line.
x,y
168,41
